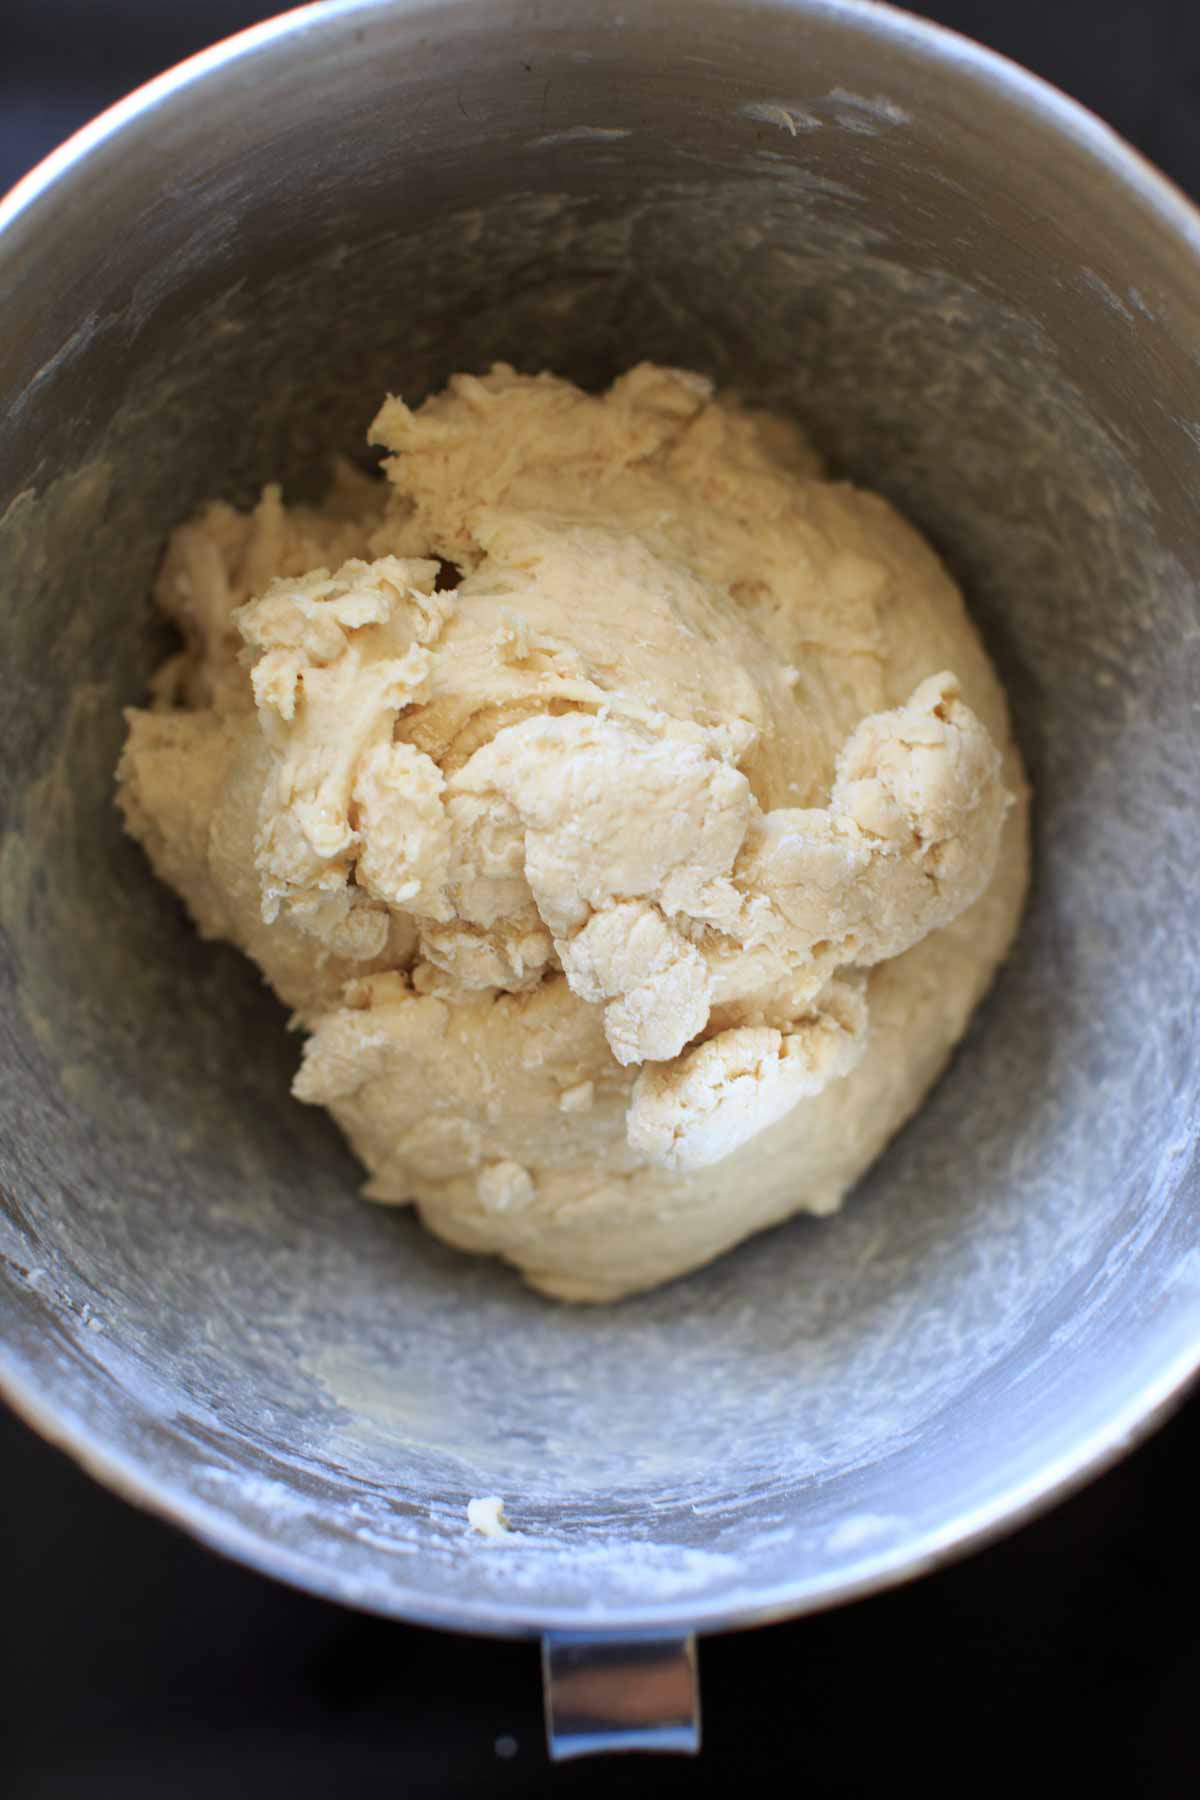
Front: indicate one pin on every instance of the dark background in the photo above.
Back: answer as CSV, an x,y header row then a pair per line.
x,y
134,1663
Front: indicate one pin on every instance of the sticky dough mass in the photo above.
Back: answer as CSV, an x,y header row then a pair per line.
x,y
628,814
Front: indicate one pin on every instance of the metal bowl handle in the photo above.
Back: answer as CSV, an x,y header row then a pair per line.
x,y
606,1692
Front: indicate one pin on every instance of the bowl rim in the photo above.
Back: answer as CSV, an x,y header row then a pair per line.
x,y
169,1499
1159,1395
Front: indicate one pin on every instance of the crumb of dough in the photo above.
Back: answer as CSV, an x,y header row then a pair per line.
x,y
488,1517
628,814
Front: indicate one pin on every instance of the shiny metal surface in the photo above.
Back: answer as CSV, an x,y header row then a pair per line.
x,y
984,305
606,1694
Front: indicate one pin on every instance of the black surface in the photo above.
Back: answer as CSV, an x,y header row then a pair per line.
x,y
133,1663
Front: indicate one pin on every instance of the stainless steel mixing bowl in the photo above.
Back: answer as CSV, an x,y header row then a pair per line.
x,y
984,305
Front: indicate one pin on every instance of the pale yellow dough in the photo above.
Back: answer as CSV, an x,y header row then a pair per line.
x,y
633,890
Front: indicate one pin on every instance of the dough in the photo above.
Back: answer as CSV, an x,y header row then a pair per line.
x,y
629,815
487,1516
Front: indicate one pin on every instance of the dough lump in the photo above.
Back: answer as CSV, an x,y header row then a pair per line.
x,y
629,815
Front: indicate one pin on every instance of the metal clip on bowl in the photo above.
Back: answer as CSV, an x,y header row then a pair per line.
x,y
619,1693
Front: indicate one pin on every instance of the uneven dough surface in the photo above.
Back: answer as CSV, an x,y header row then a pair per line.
x,y
628,814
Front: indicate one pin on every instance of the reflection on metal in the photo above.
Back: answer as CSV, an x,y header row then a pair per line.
x,y
613,1693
